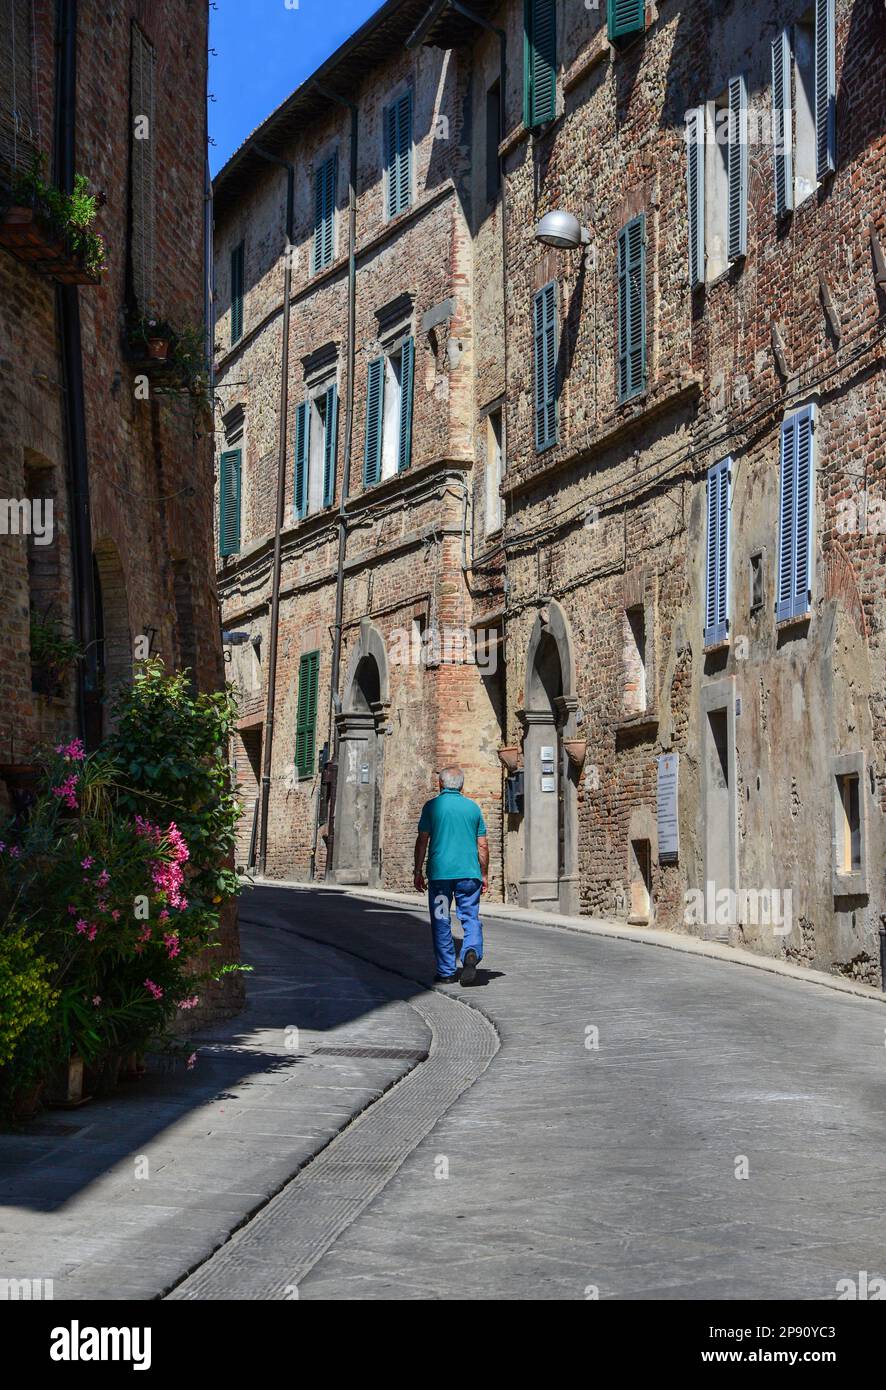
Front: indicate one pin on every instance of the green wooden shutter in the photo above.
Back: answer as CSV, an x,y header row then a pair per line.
x,y
407,374
306,714
539,62
825,89
695,157
782,134
737,169
329,446
398,143
375,396
237,275
229,502
632,308
796,516
325,180
717,556
302,454
625,17
544,327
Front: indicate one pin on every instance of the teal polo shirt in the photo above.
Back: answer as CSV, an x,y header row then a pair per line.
x,y
454,823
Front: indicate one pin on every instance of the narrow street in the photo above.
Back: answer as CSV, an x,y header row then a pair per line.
x,y
616,1168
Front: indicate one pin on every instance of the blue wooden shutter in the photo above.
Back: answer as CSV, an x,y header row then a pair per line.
x,y
544,313
717,560
796,516
539,62
302,450
237,276
825,89
398,143
632,308
737,169
229,502
782,123
325,179
375,396
306,714
625,17
407,374
695,158
329,446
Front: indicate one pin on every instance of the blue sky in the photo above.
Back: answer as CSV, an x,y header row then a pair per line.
x,y
264,50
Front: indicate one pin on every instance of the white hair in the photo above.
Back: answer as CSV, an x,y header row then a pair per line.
x,y
452,779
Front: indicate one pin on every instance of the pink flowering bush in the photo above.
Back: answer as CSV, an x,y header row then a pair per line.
x,y
118,876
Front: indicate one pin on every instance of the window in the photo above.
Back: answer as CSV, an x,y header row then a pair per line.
x,y
717,559
717,182
804,130
316,434
632,309
625,18
325,179
493,140
545,338
795,518
849,840
142,146
539,62
389,399
238,257
495,456
229,502
849,828
306,714
634,649
398,155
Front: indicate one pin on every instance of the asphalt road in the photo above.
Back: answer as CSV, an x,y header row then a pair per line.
x,y
653,1125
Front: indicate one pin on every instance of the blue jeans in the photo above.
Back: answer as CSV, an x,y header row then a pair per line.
x,y
467,903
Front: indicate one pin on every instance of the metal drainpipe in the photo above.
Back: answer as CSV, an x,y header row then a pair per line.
x,y
346,466
268,742
74,403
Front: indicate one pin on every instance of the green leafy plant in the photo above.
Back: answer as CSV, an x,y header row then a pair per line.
x,y
69,215
117,880
52,653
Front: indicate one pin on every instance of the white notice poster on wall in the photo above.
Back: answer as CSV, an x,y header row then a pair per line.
x,y
668,825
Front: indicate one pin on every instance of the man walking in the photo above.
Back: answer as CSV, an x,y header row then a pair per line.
x,y
457,866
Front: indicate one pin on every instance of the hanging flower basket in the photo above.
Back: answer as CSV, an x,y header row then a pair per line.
x,y
509,758
576,751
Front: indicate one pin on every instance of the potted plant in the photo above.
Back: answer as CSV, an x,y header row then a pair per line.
x,y
52,229
151,337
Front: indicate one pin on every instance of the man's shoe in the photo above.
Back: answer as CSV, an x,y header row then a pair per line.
x,y
469,968
445,979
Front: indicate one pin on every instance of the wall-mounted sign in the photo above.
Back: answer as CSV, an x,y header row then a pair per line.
x,y
548,782
666,806
364,773
547,754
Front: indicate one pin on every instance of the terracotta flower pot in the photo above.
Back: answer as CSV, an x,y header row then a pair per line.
x,y
158,349
509,758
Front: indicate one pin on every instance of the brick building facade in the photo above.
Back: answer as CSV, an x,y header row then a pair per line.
x,y
115,93
671,435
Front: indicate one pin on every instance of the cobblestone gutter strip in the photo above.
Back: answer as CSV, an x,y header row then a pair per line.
x,y
601,926
267,1258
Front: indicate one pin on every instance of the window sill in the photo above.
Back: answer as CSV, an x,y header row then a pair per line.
x,y
632,726
711,647
798,620
854,885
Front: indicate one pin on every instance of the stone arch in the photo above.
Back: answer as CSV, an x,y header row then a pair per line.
x,y
356,844
550,832
113,632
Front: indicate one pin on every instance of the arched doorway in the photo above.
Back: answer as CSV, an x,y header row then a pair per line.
x,y
356,846
550,830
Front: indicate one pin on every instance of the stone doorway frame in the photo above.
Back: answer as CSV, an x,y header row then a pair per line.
x,y
355,724
552,622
